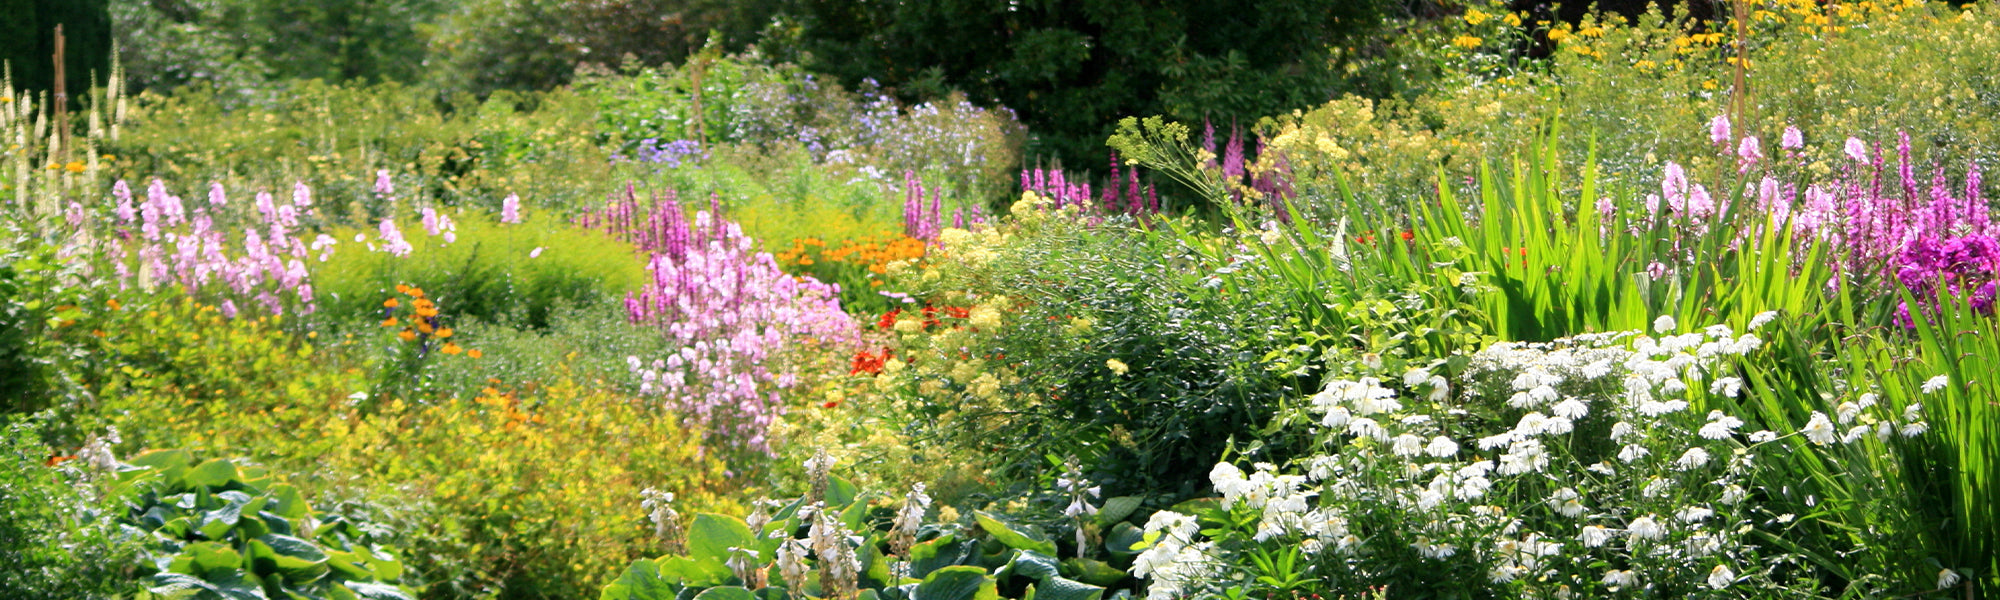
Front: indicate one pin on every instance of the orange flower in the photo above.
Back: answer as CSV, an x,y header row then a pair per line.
x,y
444,332
424,327
474,353
391,303
451,348
427,312
407,335
113,303
389,322
402,289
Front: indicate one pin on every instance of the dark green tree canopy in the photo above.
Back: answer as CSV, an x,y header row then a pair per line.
x,y
1072,68
28,42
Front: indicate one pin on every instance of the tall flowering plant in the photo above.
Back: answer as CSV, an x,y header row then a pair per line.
x,y
1585,467
161,240
728,310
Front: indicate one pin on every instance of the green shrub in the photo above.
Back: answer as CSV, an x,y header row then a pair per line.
x,y
461,152
513,274
56,534
213,529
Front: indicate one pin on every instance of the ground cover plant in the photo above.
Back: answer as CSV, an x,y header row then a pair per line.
x,y
1637,304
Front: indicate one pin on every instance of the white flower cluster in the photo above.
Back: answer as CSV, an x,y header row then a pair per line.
x,y
1577,467
1177,565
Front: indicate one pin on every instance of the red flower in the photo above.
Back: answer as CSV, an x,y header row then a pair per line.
x,y
1408,235
889,318
869,363
958,312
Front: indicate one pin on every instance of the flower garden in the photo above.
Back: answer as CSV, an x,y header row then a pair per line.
x,y
1659,307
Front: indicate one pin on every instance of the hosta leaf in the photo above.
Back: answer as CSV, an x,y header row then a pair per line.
x,y
1015,536
943,551
1123,536
1094,572
213,474
641,581
1033,565
957,583
377,591
1116,509
711,536
1057,588
287,502
726,592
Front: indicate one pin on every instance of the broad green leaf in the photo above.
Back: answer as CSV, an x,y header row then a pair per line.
x,y
957,583
1033,565
641,581
840,492
1057,588
214,474
939,552
162,459
294,558
1116,509
692,573
377,591
203,557
287,502
726,592
1015,536
711,536
1123,537
1094,572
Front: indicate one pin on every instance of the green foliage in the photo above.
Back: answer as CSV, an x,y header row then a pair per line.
x,y
28,43
1071,69
901,555
465,153
217,531
488,45
55,536
239,43
511,274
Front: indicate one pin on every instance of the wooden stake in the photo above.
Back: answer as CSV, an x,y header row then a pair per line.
x,y
62,97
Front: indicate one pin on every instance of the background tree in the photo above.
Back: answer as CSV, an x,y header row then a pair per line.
x,y
1072,68
27,42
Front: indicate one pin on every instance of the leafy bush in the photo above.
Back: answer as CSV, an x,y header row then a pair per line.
x,y
56,532
1608,463
869,546
507,491
214,530
743,100
515,274
1052,338
464,152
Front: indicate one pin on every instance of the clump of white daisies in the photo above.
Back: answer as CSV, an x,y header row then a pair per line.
x,y
1599,465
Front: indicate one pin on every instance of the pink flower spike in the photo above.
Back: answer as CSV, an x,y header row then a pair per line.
x,y
216,197
383,186
1750,150
1857,150
302,196
1718,130
510,209
1793,139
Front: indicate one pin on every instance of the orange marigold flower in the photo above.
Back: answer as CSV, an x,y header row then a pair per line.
x,y
451,348
474,353
407,335
391,303
444,332
425,327
389,322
